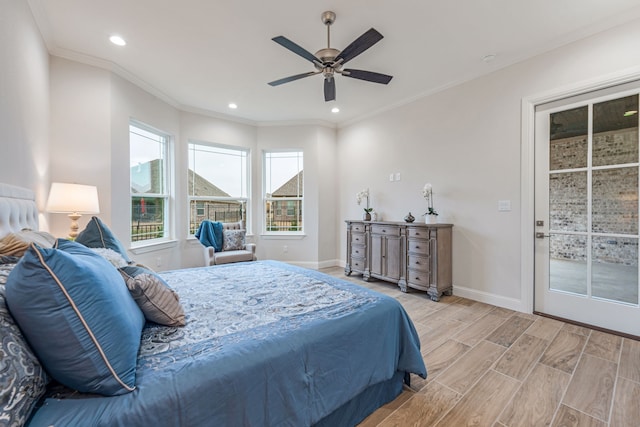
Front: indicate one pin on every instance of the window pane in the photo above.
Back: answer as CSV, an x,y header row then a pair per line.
x,y
568,201
614,271
615,131
283,174
568,139
217,171
615,201
147,215
146,161
284,215
568,263
216,210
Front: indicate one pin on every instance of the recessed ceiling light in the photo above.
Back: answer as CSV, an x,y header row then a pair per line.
x,y
117,40
630,113
233,105
335,110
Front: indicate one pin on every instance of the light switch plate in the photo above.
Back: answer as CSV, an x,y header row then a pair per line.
x,y
504,205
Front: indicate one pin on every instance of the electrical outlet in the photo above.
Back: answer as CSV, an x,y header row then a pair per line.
x,y
397,176
391,177
285,249
158,261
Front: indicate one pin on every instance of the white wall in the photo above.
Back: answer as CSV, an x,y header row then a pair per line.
x,y
466,141
24,101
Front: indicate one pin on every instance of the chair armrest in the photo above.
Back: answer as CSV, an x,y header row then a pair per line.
x,y
209,255
251,247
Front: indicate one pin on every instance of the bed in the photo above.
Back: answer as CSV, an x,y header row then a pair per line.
x,y
264,344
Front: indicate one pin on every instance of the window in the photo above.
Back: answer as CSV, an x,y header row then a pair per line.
x,y
148,162
218,184
283,191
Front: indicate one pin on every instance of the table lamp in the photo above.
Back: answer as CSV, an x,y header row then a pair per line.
x,y
75,200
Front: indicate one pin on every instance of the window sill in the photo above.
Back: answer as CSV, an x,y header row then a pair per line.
x,y
155,246
283,236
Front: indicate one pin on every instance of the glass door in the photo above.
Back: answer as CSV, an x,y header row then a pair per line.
x,y
586,210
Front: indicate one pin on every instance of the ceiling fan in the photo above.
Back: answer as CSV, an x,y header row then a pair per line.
x,y
330,61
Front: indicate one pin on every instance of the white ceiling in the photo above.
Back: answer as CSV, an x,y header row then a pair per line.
x,y
202,54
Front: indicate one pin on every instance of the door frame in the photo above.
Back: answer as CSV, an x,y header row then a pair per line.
x,y
527,169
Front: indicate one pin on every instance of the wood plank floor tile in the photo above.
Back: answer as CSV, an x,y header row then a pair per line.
x,y
444,356
537,400
575,329
568,417
521,356
606,346
626,404
630,360
469,368
437,336
504,312
386,410
591,388
473,312
479,330
545,328
564,351
482,405
424,409
510,331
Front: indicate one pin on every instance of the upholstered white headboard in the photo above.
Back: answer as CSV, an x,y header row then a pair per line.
x,y
18,209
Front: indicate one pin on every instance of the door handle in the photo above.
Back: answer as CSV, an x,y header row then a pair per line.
x,y
541,235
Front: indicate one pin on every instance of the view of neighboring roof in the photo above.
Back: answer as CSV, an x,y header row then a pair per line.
x,y
291,188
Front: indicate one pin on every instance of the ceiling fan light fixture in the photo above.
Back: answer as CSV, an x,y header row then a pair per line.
x,y
629,113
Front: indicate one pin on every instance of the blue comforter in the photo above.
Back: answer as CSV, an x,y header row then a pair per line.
x,y
266,344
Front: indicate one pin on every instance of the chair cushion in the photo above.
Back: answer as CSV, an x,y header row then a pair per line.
x,y
78,316
233,256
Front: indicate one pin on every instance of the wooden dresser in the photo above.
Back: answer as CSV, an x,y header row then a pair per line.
x,y
413,255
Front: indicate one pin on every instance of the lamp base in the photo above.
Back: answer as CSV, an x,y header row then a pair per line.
x,y
73,231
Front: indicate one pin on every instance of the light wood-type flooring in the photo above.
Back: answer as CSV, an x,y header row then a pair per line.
x,y
488,366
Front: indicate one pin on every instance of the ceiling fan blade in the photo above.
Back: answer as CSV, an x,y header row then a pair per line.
x,y
369,76
298,50
293,78
359,45
329,89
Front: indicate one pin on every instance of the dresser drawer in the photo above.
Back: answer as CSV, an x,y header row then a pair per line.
x,y
420,247
357,264
357,238
419,232
388,230
357,228
358,250
418,262
418,277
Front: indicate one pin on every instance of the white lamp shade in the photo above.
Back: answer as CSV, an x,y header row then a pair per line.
x,y
73,198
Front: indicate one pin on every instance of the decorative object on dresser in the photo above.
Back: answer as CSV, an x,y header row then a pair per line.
x,y
430,216
412,255
364,195
75,200
409,218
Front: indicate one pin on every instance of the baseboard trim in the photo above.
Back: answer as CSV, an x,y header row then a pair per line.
x,y
493,299
315,265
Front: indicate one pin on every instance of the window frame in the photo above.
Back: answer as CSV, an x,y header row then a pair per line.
x,y
246,200
166,195
266,199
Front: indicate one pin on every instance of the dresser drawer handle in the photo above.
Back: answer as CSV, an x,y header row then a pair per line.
x,y
417,278
417,247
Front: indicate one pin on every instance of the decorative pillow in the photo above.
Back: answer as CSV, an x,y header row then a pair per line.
x,y
15,244
112,256
22,378
97,235
78,316
233,240
158,302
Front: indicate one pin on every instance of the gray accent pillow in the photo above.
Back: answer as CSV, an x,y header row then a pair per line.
x,y
233,240
158,302
22,377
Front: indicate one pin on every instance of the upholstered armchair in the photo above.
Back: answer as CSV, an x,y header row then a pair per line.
x,y
234,248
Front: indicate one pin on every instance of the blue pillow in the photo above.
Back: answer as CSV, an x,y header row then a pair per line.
x,y
97,235
78,316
